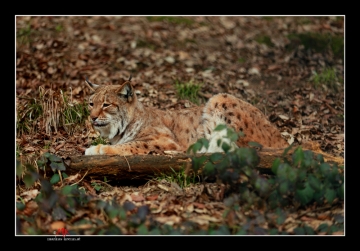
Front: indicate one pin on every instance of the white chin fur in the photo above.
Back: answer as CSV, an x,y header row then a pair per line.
x,y
113,131
108,131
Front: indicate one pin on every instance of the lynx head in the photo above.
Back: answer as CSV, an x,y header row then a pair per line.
x,y
111,107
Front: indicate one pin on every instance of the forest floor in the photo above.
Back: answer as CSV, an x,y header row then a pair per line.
x,y
291,68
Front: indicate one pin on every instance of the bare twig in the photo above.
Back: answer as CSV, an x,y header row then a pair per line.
x,y
127,163
80,179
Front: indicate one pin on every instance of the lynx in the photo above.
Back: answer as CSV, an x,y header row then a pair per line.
x,y
132,128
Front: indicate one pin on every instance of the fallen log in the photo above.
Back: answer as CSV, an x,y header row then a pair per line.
x,y
140,167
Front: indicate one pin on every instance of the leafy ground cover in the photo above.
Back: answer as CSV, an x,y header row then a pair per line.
x,y
291,68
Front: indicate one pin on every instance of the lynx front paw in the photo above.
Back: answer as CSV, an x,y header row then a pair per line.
x,y
93,150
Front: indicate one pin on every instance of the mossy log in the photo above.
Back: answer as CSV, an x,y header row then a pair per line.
x,y
140,167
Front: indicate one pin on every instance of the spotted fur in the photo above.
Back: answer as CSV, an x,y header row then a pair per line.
x,y
135,129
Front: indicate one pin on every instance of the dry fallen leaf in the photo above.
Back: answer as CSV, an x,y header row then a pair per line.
x,y
137,197
56,225
29,195
170,220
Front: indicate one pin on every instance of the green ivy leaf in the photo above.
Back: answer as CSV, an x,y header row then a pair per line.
x,y
54,158
195,148
20,206
341,192
113,230
47,155
112,212
275,165
226,147
209,169
223,230
220,127
281,216
274,199
198,162
299,231
304,195
283,170
204,142
323,228
273,231
320,158
142,230
155,231
255,144
292,175
232,135
309,230
283,188
57,166
71,205
55,179
58,213
41,161
262,185
339,218
66,190
314,182
241,231
319,196
298,156
308,159
216,157
19,168
96,186
330,195
335,228
324,169
29,179
301,174
334,176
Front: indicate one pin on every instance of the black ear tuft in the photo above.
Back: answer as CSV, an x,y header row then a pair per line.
x,y
92,86
126,91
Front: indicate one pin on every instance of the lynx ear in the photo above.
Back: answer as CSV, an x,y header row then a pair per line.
x,y
92,86
126,91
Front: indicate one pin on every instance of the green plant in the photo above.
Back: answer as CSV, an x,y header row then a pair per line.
x,y
303,180
73,114
337,46
27,115
146,44
99,140
318,42
180,177
59,28
51,111
171,19
307,179
51,160
267,18
188,90
242,60
262,39
23,35
327,77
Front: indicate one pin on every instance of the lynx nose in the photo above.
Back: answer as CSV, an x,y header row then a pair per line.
x,y
93,118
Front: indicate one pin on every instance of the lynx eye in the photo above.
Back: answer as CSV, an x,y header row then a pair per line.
x,y
105,105
91,103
